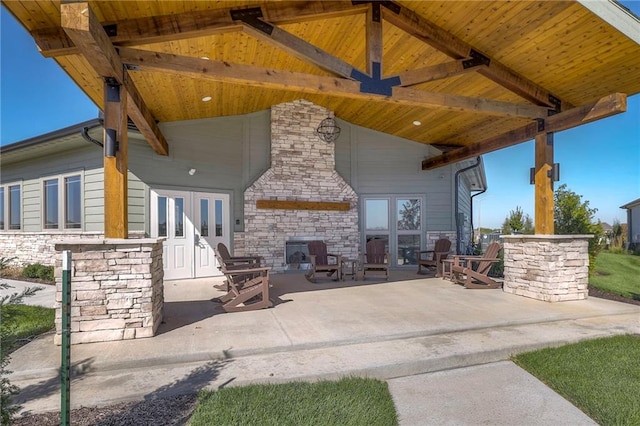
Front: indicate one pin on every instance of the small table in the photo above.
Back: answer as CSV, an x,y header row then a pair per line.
x,y
349,267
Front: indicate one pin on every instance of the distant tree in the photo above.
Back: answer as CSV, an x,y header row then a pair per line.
x,y
573,216
517,222
616,235
409,216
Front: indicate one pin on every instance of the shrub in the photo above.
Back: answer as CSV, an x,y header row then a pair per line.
x,y
5,262
37,270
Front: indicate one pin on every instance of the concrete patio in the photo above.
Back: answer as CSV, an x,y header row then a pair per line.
x,y
407,326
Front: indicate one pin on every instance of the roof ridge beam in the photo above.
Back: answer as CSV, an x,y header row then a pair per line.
x,y
604,107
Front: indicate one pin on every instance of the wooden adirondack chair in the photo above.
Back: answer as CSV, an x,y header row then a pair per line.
x,y
229,260
472,271
375,258
321,261
433,258
247,287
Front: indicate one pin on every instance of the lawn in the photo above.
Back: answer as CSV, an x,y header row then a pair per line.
x,y
25,322
350,401
617,274
601,377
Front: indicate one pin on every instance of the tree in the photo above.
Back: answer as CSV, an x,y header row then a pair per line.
x,y
615,235
573,216
409,216
517,222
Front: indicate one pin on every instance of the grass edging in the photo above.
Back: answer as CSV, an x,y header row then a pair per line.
x,y
349,401
601,377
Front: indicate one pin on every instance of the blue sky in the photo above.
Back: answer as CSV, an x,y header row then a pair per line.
x,y
600,160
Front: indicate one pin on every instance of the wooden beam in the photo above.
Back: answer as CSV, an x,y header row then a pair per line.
x,y
302,205
425,30
287,80
54,42
435,72
83,28
544,184
605,107
301,49
373,31
116,218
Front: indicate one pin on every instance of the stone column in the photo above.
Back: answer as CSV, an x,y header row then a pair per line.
x,y
116,289
551,268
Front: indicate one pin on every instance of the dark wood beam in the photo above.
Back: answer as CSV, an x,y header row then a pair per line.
x,y
54,42
425,30
544,184
605,107
81,25
287,80
436,72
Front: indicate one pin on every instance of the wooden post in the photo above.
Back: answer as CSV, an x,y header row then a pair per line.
x,y
544,184
116,167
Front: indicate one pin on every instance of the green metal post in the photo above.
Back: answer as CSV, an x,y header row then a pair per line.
x,y
65,370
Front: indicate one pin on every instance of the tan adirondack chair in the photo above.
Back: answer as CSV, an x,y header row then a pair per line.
x,y
472,271
321,261
433,258
375,258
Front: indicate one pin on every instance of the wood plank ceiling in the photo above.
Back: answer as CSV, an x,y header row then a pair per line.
x,y
531,49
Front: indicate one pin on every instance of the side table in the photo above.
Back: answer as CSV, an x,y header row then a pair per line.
x,y
349,267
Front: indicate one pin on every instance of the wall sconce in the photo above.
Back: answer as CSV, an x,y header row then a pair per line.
x,y
110,143
192,172
554,173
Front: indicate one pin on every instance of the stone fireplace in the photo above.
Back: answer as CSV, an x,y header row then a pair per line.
x,y
301,196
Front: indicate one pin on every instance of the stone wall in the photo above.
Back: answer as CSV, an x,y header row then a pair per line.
x,y
552,268
37,247
116,289
433,236
302,169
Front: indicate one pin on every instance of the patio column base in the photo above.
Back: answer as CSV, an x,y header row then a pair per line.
x,y
552,268
117,289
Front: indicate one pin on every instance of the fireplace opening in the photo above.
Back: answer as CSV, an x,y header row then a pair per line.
x,y
296,253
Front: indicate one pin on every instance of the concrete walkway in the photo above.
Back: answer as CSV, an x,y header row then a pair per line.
x,y
46,296
396,331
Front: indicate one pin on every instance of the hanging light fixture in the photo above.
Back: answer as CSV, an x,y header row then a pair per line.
x,y
328,129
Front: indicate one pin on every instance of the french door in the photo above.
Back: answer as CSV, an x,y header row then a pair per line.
x,y
397,220
192,223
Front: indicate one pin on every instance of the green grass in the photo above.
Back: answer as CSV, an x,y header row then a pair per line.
x,y
601,377
350,401
617,274
28,321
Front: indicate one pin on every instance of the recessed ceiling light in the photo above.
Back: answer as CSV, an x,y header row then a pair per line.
x,y
204,57
206,99
417,123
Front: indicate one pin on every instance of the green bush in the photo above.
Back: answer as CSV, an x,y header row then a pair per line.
x,y
39,271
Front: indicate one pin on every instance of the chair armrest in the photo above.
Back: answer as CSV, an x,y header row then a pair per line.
x,y
246,271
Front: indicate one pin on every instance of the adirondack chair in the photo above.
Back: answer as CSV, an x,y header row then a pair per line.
x,y
247,287
433,258
321,261
375,258
472,271
229,260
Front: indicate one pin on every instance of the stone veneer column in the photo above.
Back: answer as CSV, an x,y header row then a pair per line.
x,y
552,268
116,289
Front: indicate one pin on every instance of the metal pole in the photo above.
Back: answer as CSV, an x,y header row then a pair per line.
x,y
65,370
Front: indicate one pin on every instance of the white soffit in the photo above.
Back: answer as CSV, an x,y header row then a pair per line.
x,y
616,16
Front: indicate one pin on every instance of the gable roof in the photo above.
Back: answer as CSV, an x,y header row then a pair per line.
x,y
631,204
477,75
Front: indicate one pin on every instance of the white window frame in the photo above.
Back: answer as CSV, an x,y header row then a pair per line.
x,y
62,202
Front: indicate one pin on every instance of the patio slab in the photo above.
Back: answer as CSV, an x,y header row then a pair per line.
x,y
315,331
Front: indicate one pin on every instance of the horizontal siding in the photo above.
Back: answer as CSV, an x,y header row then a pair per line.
x,y
94,200
31,206
136,203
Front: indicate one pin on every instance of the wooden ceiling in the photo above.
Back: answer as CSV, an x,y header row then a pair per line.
x,y
478,75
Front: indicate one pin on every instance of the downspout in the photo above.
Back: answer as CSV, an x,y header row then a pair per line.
x,y
457,183
85,135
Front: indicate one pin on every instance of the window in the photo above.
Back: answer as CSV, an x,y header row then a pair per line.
x,y
1,209
51,204
62,202
14,207
72,201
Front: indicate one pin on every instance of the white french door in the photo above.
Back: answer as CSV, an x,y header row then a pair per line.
x,y
192,223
